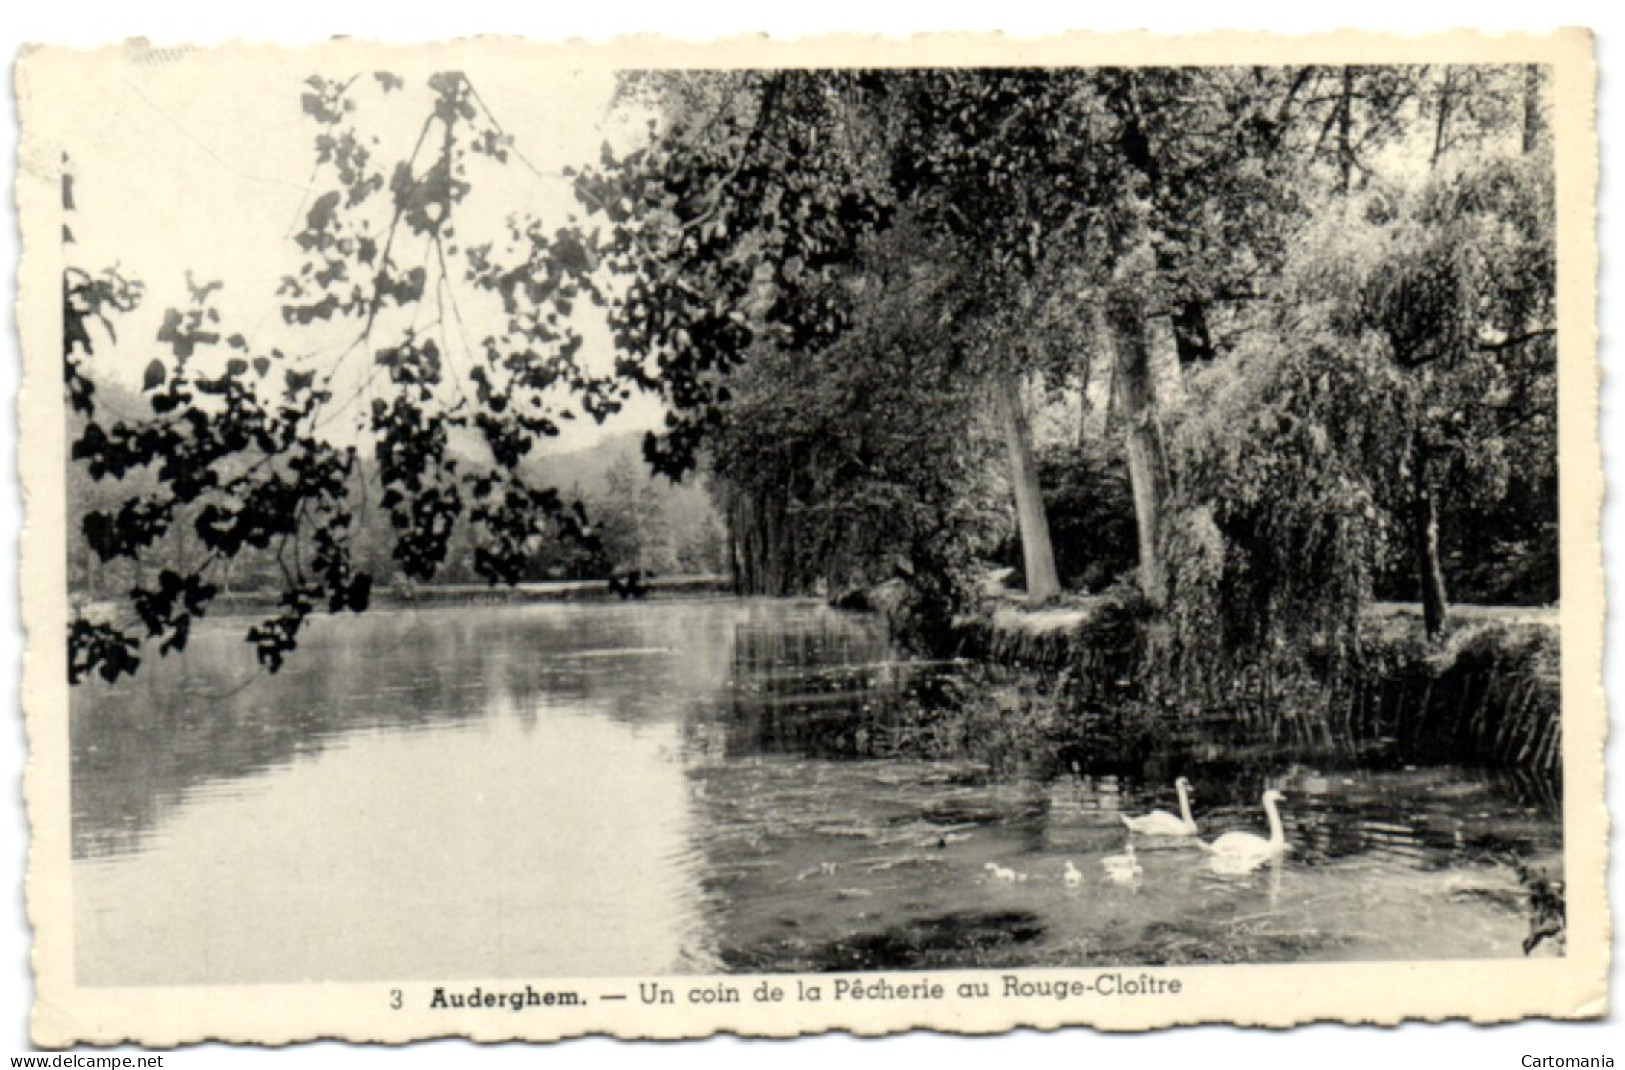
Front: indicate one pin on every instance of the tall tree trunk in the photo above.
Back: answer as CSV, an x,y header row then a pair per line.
x,y
1425,519
1037,553
1147,456
1424,502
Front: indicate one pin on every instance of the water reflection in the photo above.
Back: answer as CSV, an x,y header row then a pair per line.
x,y
689,786
419,795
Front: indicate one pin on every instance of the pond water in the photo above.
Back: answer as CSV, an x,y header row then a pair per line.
x,y
693,786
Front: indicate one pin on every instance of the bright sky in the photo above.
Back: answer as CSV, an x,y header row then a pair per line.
x,y
183,165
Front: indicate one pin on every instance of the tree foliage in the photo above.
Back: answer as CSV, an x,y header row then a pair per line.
x,y
1322,295
870,455
238,440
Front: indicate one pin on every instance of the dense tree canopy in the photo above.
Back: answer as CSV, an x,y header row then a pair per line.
x,y
1294,305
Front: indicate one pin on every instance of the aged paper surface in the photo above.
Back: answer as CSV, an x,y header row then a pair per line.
x,y
135,848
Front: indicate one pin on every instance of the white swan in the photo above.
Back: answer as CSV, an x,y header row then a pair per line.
x,y
1123,868
1003,873
1072,876
1242,851
1161,822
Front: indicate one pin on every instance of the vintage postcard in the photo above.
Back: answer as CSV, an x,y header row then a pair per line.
x,y
527,541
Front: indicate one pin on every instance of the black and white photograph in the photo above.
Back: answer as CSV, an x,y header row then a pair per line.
x,y
547,544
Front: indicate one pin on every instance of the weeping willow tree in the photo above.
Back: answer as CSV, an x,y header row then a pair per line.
x,y
1409,350
1455,285
1282,516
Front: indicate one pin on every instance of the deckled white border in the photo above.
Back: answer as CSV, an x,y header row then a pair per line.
x,y
1565,635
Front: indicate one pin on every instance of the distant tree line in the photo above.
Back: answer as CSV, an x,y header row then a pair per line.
x,y
635,524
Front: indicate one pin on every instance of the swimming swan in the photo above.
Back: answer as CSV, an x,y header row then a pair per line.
x,y
1072,876
1243,850
1161,822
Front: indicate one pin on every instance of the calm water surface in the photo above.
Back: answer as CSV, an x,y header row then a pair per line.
x,y
578,790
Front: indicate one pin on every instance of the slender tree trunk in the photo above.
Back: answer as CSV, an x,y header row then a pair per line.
x,y
1441,126
776,552
1086,407
735,572
1424,500
1037,553
1147,456
743,539
1531,108
1425,517
1345,131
